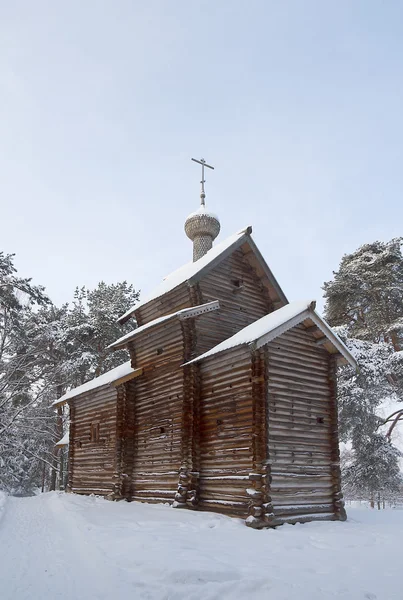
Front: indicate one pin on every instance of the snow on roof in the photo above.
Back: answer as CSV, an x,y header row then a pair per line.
x,y
108,377
255,330
277,323
186,272
184,312
64,441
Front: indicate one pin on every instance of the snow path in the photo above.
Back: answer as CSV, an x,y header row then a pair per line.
x,y
61,546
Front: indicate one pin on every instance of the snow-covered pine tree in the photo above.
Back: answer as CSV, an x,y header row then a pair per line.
x,y
365,298
373,470
45,350
360,393
21,389
73,339
366,293
103,306
74,342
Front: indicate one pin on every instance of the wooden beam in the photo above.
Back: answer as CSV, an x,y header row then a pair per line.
x,y
333,339
312,329
199,310
136,373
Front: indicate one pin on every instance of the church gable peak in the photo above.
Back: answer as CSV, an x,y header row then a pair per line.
x,y
192,271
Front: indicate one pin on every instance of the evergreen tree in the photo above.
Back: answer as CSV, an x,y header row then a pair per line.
x,y
373,469
44,351
93,324
361,392
364,298
73,342
21,388
366,293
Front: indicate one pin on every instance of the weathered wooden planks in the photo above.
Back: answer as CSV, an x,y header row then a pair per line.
x,y
226,454
243,299
301,438
92,463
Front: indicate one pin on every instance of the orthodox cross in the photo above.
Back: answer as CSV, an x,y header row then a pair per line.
x,y
203,163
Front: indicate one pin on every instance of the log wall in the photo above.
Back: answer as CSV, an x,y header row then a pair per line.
x,y
157,413
157,435
93,462
125,440
171,302
159,346
225,428
243,299
301,429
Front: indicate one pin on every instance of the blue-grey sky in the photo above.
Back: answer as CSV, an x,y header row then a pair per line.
x,y
297,104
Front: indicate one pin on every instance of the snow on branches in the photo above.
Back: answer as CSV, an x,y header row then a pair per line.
x,y
44,351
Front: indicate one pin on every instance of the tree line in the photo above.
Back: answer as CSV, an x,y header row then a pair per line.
x,y
44,351
47,349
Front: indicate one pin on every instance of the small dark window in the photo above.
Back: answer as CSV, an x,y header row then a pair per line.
x,y
162,429
78,444
94,432
237,285
219,422
160,350
320,420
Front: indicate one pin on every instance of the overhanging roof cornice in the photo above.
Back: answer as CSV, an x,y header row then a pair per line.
x,y
182,315
271,326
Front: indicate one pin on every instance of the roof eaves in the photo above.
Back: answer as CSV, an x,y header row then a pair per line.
x,y
334,339
184,313
72,396
92,384
310,313
268,271
274,333
125,339
307,313
240,239
259,340
64,441
129,377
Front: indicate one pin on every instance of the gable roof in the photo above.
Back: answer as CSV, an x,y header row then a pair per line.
x,y
276,323
122,372
194,271
184,313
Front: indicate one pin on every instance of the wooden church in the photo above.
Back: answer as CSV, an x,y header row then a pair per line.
x,y
228,402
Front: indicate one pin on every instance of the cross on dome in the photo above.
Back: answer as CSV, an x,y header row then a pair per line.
x,y
202,227
203,163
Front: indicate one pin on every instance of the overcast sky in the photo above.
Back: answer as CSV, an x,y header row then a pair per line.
x,y
298,105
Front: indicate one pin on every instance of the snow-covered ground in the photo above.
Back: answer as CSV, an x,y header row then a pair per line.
x,y
3,499
59,546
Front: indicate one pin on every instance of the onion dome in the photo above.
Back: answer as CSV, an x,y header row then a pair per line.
x,y
202,228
